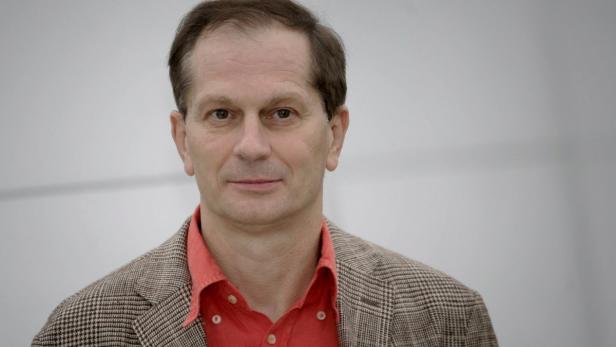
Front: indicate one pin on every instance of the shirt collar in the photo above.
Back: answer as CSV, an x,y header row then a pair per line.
x,y
204,271
328,261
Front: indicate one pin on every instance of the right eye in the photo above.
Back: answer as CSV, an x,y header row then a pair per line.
x,y
220,114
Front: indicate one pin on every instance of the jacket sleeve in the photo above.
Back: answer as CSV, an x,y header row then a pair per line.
x,y
479,331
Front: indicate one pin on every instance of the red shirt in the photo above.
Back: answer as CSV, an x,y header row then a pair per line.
x,y
229,321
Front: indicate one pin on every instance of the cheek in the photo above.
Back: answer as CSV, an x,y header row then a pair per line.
x,y
319,144
207,155
304,154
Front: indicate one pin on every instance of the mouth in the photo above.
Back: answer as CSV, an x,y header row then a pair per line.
x,y
255,184
255,181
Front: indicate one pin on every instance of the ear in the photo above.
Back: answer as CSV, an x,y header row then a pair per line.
x,y
178,131
338,126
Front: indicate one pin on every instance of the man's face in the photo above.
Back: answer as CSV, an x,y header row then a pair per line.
x,y
256,135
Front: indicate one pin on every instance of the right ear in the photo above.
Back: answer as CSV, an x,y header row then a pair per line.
x,y
178,131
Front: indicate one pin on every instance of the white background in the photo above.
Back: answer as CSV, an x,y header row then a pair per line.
x,y
482,142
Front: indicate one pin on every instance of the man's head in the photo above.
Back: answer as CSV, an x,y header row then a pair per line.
x,y
255,130
327,53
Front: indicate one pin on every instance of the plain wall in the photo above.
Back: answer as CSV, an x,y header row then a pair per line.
x,y
482,142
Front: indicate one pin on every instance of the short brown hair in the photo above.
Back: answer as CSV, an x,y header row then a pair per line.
x,y
328,61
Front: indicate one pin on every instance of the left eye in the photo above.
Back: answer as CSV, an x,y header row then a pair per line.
x,y
283,113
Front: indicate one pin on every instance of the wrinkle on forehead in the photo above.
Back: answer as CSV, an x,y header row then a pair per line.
x,y
233,55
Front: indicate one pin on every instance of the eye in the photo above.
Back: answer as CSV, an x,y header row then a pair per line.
x,y
220,114
283,113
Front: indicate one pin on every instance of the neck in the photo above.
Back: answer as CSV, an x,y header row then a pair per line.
x,y
270,265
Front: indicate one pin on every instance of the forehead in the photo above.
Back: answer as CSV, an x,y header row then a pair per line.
x,y
229,58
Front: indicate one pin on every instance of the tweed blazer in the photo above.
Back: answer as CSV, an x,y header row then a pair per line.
x,y
384,299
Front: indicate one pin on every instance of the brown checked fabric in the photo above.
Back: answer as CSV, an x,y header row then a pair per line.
x,y
384,299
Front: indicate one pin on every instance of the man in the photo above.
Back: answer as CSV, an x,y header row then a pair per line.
x,y
260,89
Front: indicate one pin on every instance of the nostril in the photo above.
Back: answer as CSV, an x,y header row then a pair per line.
x,y
253,147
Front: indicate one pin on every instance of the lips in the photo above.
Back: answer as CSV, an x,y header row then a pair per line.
x,y
256,185
255,181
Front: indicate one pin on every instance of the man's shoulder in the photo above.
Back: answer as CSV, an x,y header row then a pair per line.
x,y
428,307
113,301
73,322
409,278
120,282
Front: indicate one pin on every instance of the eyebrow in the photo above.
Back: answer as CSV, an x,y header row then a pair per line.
x,y
224,100
285,97
209,99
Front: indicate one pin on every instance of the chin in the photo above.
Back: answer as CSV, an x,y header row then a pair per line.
x,y
258,212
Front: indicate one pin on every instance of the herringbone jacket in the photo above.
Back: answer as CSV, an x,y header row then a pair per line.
x,y
384,299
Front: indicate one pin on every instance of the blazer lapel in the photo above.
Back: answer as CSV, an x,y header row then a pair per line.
x,y
165,283
365,302
162,324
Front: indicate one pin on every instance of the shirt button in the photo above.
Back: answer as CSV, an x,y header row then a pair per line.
x,y
232,299
321,315
216,319
271,339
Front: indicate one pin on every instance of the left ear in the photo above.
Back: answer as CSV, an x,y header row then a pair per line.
x,y
338,126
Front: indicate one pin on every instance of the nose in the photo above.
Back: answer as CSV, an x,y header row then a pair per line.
x,y
253,143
